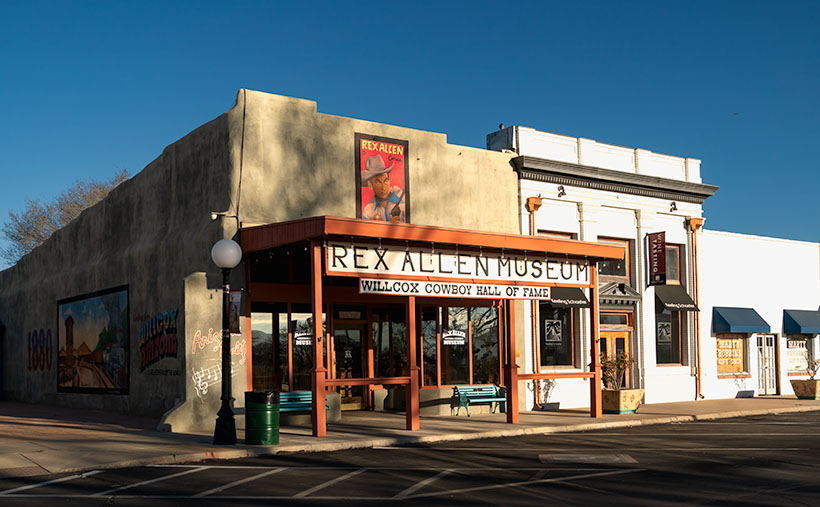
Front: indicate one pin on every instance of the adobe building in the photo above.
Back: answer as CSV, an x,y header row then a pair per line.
x,y
416,290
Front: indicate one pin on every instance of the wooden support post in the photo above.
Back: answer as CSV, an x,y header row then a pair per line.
x,y
595,409
510,366
319,372
411,402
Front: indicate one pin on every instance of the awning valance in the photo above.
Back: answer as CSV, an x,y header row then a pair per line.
x,y
568,297
675,298
727,319
801,322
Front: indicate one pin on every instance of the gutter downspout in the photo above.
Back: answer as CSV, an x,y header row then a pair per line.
x,y
695,224
533,203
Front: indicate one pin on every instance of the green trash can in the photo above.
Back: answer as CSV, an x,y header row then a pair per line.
x,y
261,418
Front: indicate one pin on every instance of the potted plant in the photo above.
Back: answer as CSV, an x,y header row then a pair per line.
x,y
616,398
808,389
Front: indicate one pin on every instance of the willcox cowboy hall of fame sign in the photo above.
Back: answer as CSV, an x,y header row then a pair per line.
x,y
382,179
473,267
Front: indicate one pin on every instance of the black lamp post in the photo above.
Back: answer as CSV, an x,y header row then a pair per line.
x,y
226,254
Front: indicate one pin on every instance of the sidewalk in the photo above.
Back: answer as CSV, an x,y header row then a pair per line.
x,y
37,439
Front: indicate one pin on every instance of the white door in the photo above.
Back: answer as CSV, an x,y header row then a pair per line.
x,y
766,365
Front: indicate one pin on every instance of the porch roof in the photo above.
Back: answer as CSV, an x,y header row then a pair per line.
x,y
264,237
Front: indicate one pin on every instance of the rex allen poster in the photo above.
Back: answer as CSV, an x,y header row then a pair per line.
x,y
382,181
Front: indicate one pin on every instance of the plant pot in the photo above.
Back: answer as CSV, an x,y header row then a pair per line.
x,y
806,389
621,401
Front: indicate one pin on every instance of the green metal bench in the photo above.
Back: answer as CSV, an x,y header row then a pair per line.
x,y
466,395
297,401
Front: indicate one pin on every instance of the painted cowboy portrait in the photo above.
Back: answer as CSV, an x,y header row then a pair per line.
x,y
388,202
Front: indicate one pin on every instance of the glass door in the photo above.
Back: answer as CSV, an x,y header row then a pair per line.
x,y
614,343
766,365
349,355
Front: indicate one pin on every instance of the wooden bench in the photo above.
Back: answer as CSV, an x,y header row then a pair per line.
x,y
465,395
297,401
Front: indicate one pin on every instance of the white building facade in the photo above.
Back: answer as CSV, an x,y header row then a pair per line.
x,y
579,189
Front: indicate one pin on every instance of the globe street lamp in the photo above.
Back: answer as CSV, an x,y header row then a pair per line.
x,y
226,254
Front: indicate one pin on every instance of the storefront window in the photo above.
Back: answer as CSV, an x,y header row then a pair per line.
x,y
262,351
390,342
455,350
428,337
667,335
556,335
731,353
484,327
301,328
673,267
799,352
269,334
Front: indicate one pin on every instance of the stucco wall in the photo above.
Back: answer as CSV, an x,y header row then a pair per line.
x,y
149,233
299,163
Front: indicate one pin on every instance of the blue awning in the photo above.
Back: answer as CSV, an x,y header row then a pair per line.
x,y
727,319
801,322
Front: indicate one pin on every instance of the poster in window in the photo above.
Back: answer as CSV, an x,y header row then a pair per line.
x,y
730,355
233,320
552,333
798,355
94,341
382,179
664,332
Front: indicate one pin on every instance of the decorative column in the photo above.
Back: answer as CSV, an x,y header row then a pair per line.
x,y
510,367
595,408
318,372
411,403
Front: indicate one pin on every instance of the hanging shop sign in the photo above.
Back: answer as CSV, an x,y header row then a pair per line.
x,y
365,259
445,289
656,258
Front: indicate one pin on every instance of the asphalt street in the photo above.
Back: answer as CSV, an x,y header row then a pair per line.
x,y
762,460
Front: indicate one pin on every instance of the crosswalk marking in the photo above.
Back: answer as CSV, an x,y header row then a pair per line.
x,y
158,479
54,481
426,482
322,486
237,483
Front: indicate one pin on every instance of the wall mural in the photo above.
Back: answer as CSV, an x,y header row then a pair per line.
x,y
382,179
93,340
40,350
158,338
211,342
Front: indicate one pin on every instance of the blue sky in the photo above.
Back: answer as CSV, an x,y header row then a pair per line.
x,y
89,87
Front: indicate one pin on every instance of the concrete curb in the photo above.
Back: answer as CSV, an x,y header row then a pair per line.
x,y
241,451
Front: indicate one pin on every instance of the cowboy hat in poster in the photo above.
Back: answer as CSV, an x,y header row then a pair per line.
x,y
382,181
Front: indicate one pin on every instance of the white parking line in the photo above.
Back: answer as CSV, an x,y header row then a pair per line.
x,y
588,449
331,482
417,486
523,483
241,481
53,481
158,479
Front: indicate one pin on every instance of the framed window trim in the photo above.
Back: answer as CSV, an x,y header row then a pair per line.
x,y
677,251
627,245
574,342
